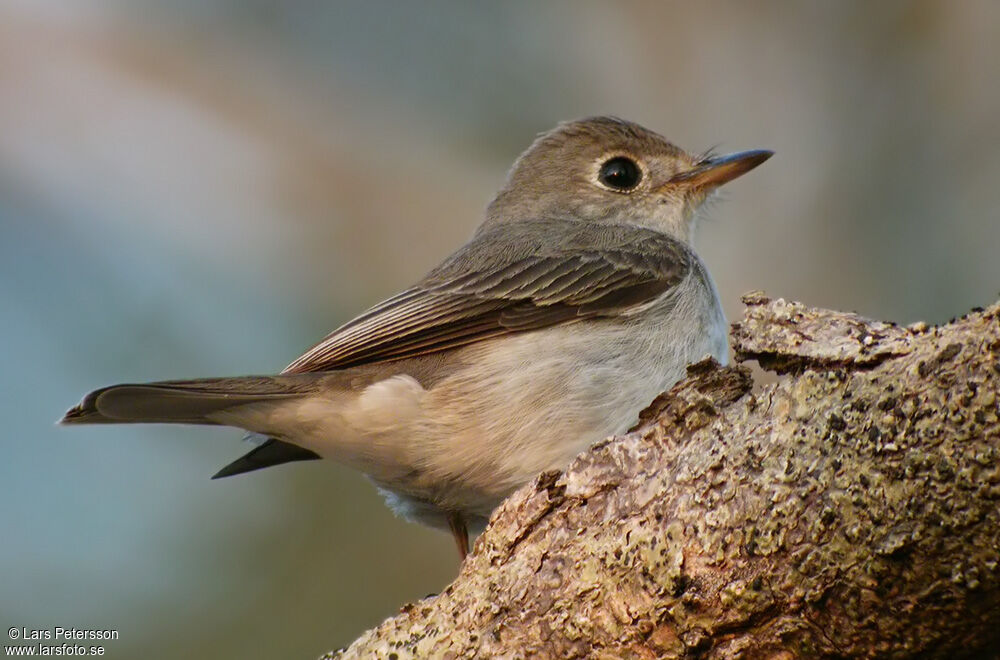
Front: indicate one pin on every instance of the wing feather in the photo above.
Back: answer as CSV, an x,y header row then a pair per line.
x,y
515,278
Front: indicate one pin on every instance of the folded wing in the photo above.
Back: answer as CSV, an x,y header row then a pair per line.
x,y
515,278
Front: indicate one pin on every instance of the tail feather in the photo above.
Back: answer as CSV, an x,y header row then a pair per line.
x,y
183,401
271,452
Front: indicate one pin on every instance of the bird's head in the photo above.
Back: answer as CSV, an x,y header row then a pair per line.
x,y
604,169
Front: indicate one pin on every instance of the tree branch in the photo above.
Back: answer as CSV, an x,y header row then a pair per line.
x,y
851,509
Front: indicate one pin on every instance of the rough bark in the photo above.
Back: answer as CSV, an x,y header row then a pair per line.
x,y
851,509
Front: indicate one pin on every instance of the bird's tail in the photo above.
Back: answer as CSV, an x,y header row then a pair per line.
x,y
184,401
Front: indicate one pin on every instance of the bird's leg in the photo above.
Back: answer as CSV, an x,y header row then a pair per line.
x,y
461,534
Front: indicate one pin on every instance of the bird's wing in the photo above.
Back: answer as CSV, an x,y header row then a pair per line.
x,y
513,278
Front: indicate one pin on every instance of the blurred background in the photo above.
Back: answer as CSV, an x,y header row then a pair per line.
x,y
206,187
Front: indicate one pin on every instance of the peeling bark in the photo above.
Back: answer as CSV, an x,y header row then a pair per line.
x,y
851,509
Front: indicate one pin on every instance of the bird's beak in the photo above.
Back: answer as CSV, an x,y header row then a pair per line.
x,y
715,171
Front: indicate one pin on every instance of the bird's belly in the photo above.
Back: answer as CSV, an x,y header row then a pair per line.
x,y
545,397
519,405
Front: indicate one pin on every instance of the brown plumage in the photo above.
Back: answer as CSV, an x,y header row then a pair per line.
x,y
577,301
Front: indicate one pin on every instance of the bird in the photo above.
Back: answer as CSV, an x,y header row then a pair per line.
x,y
578,299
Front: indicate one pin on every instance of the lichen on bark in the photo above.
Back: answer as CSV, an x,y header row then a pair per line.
x,y
851,509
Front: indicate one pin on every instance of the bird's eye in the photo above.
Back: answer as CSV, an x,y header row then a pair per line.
x,y
620,173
